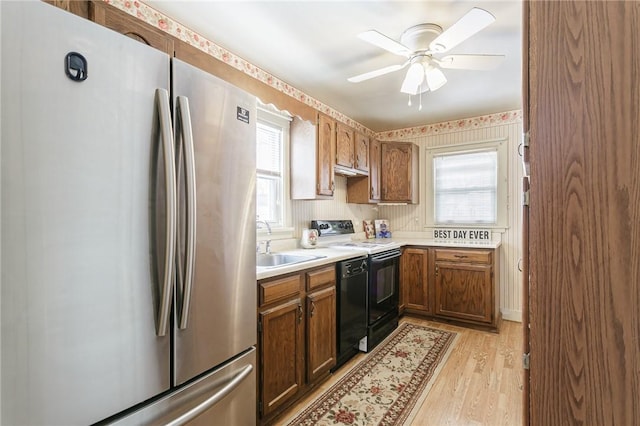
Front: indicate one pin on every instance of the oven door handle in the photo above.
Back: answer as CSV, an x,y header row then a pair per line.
x,y
385,257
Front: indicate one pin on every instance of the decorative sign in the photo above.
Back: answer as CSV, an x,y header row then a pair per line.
x,y
465,234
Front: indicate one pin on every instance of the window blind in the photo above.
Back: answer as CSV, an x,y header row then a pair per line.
x,y
466,187
269,173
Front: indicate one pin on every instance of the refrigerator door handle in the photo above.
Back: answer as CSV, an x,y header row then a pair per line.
x,y
214,399
184,115
164,113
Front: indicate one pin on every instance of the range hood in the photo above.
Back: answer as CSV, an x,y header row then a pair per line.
x,y
347,171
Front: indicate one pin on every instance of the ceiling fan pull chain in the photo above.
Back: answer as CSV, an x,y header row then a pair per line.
x,y
420,106
409,103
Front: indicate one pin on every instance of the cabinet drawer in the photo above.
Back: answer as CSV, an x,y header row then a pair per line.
x,y
321,277
280,289
467,256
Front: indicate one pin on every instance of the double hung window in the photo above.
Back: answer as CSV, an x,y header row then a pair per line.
x,y
271,173
467,185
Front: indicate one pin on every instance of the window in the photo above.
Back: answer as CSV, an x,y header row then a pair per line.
x,y
467,185
271,149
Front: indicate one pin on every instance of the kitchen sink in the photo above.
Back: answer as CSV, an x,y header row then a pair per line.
x,y
268,260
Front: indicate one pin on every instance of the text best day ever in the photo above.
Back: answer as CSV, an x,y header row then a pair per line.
x,y
461,234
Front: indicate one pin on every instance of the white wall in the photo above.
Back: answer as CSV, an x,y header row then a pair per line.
x,y
412,218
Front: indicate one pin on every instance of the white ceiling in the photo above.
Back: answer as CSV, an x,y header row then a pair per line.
x,y
312,45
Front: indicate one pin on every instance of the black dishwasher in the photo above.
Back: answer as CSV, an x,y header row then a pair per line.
x,y
352,306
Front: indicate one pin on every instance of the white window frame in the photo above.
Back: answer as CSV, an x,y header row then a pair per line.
x,y
270,115
499,145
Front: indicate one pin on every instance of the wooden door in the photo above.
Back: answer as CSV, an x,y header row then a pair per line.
x,y
464,291
281,355
361,152
526,347
414,279
525,212
326,155
344,146
584,227
321,332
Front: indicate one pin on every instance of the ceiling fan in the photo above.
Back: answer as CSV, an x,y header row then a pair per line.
x,y
421,42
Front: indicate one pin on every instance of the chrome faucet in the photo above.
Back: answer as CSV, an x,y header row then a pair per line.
x,y
266,223
268,242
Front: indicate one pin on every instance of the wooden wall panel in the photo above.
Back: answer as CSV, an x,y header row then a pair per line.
x,y
585,212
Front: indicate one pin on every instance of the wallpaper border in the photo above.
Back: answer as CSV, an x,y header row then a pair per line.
x,y
151,16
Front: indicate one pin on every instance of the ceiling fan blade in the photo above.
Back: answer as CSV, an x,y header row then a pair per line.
x,y
376,73
384,42
470,62
472,22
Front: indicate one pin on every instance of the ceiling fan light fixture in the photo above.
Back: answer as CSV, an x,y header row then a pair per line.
x,y
435,78
414,78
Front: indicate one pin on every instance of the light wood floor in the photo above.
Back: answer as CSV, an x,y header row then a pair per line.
x,y
480,383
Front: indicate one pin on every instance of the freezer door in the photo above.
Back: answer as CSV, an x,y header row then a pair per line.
x,y
221,319
223,397
81,165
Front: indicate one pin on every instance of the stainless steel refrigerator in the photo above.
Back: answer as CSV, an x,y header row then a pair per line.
x,y
128,231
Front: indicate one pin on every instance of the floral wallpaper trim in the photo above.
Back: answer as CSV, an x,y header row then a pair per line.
x,y
151,16
464,124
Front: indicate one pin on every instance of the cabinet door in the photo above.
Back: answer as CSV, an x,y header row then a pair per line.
x,y
344,146
464,291
397,172
361,152
281,355
109,16
374,169
415,283
321,332
326,155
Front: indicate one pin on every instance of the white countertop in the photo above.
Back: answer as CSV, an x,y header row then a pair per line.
x,y
336,254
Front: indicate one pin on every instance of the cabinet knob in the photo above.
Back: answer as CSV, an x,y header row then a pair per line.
x,y
437,271
313,308
299,313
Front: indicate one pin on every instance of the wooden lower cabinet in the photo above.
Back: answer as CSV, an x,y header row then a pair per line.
x,y
464,291
454,284
296,337
414,268
281,355
321,328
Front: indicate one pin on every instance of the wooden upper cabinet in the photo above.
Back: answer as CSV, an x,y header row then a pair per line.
x,y
366,189
374,169
399,172
361,151
111,17
326,154
344,146
312,156
77,7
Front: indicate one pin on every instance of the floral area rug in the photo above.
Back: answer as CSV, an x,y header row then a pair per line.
x,y
388,386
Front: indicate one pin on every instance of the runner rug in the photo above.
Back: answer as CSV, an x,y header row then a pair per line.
x,y
388,386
